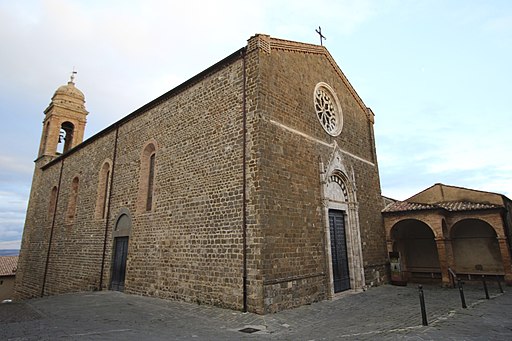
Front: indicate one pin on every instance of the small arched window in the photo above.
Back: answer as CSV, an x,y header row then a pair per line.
x,y
73,197
147,178
103,191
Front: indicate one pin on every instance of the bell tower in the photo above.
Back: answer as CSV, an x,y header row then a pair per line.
x,y
64,121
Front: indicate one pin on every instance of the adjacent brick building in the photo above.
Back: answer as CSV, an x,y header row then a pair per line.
x,y
445,228
254,185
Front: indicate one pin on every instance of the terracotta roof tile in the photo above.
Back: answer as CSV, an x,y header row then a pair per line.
x,y
452,206
8,265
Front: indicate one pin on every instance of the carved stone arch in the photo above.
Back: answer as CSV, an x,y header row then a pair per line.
x,y
339,195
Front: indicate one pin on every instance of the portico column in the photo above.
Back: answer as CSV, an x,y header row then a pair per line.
x,y
505,256
450,260
443,261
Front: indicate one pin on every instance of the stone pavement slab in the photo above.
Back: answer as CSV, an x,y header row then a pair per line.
x,y
382,313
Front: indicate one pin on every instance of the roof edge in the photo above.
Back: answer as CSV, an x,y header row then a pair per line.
x,y
178,89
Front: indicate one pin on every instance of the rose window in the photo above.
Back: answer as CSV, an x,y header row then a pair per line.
x,y
328,109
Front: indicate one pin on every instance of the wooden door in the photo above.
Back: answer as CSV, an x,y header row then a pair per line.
x,y
119,263
341,276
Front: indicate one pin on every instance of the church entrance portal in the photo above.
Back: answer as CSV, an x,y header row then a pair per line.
x,y
341,276
119,263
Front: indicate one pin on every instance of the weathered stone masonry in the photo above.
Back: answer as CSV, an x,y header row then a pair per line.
x,y
188,244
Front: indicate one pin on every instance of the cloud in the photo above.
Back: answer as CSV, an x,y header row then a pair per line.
x,y
10,245
16,165
12,215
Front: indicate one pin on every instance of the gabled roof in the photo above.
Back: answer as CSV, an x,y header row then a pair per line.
x,y
8,265
447,193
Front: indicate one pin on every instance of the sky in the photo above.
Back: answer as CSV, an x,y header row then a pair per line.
x,y
436,73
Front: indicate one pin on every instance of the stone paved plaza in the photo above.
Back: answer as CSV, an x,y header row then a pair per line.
x,y
382,313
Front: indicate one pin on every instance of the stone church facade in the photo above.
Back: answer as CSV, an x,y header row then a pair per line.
x,y
254,186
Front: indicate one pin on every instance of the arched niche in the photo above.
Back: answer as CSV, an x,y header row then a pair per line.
x,y
416,243
476,248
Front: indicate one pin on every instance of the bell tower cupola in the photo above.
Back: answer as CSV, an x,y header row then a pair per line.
x,y
64,121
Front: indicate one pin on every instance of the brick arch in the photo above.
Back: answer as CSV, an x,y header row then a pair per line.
x,y
416,242
487,219
390,227
103,189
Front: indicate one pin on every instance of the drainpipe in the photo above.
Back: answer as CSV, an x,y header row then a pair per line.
x,y
244,181
52,229
107,216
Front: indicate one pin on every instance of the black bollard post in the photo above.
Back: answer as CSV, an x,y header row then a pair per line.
x,y
461,291
499,283
422,304
485,287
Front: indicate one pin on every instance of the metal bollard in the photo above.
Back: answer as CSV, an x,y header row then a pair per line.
x,y
485,287
461,291
422,304
499,283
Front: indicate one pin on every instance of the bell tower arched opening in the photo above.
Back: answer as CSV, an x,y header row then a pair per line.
x,y
65,137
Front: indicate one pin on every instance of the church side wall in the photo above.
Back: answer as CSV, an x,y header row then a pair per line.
x,y
189,245
293,145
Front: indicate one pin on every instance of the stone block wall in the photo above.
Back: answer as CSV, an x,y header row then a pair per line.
x,y
292,145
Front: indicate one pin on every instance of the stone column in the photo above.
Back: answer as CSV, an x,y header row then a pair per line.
x,y
449,253
505,256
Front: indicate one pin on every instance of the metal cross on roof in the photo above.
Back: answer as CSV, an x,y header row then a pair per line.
x,y
73,73
322,37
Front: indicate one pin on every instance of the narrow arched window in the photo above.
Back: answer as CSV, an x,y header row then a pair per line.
x,y
151,179
53,202
146,197
103,191
73,197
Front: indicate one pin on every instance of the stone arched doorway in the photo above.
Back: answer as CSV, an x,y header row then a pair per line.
x,y
415,241
121,235
476,248
344,259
